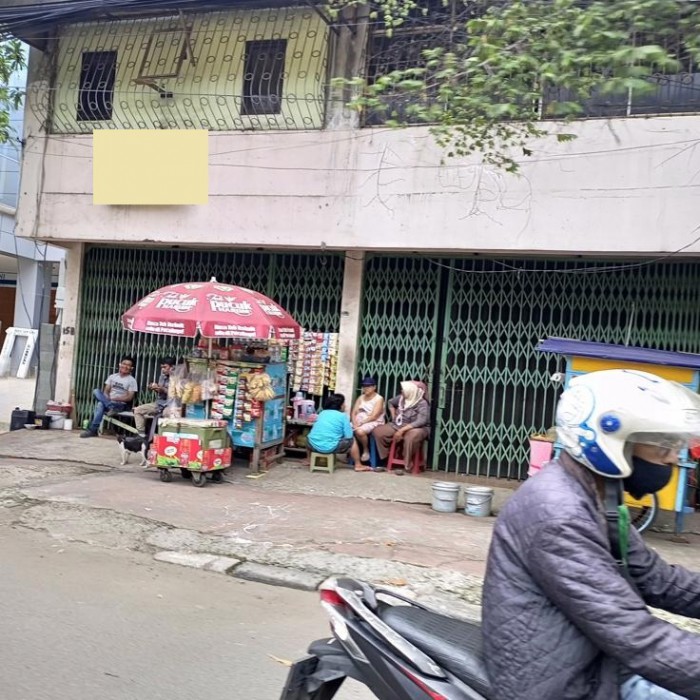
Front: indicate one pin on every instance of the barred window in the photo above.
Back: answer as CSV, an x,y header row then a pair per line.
x,y
96,92
264,76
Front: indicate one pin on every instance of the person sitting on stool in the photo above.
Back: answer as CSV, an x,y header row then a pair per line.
x,y
367,414
118,393
149,410
410,423
332,432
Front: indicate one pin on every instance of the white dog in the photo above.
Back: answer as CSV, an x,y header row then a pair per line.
x,y
133,444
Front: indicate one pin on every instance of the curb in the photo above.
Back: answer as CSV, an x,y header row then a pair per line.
x,y
305,580
207,562
278,576
248,571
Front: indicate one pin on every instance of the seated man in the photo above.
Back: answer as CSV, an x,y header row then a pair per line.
x,y
148,410
119,391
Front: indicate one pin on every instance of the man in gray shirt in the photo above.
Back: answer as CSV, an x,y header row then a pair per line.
x,y
119,391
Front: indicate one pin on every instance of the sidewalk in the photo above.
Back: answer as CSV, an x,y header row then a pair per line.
x,y
375,526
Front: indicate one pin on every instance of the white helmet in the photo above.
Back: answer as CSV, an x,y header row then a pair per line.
x,y
602,412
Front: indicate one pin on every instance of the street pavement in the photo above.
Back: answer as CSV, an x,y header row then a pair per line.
x,y
287,526
80,623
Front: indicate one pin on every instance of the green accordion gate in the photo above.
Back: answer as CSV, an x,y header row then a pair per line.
x,y
308,286
469,328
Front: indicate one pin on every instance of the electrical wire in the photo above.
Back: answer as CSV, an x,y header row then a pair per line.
x,y
601,267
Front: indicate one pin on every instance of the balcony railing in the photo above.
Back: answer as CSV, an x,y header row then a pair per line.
x,y
235,70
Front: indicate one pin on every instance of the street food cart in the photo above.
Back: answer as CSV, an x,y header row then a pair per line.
x,y
583,357
244,400
250,399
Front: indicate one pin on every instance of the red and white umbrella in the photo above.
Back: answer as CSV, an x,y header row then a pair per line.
x,y
212,310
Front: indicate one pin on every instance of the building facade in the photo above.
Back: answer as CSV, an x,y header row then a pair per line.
x,y
441,269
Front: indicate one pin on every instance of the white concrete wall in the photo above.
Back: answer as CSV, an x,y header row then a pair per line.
x,y
625,186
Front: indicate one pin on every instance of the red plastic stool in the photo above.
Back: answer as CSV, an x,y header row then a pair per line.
x,y
396,460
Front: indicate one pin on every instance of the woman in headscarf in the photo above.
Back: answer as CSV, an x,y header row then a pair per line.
x,y
410,422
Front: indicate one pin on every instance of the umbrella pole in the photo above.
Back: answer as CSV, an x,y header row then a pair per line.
x,y
208,408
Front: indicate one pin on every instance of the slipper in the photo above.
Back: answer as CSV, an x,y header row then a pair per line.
x,y
378,469
362,468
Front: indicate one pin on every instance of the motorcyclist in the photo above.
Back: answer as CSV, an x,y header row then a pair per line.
x,y
568,581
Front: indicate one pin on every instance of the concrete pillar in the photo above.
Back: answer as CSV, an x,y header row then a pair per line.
x,y
33,297
46,376
347,59
32,173
32,303
65,363
350,320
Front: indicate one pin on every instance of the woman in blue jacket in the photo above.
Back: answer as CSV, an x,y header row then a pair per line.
x,y
332,432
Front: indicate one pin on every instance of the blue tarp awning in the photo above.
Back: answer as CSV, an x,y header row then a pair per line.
x,y
583,348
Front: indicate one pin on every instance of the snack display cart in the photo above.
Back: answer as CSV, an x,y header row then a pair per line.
x,y
583,357
248,398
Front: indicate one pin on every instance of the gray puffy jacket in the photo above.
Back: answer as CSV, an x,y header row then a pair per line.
x,y
560,621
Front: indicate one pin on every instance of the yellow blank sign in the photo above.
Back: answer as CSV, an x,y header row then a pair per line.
x,y
150,167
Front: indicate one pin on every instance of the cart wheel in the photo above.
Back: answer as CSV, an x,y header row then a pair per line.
x,y
186,473
217,476
199,479
165,475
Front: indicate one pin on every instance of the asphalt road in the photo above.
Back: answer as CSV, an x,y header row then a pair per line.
x,y
80,623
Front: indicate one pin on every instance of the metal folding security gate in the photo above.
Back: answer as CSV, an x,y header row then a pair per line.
x,y
471,326
399,321
308,286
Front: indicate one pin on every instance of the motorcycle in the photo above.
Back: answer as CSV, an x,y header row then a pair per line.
x,y
399,649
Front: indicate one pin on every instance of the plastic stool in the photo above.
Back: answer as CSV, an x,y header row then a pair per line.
x,y
314,465
396,460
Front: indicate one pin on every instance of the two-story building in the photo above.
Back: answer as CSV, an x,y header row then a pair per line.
x,y
429,267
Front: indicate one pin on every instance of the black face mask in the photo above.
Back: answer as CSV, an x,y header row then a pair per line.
x,y
647,477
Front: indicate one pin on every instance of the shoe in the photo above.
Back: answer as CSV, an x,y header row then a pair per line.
x,y
87,434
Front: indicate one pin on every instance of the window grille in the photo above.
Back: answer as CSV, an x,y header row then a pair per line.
x,y
263,79
96,91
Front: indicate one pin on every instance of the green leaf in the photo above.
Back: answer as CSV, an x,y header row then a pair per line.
x,y
492,68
